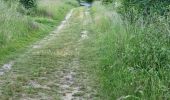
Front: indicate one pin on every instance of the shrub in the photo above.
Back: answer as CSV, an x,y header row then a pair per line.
x,y
107,1
133,60
89,0
28,3
134,9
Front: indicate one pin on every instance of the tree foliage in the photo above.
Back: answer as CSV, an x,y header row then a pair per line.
x,y
89,0
28,3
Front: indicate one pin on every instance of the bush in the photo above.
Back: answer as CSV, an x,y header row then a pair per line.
x,y
89,0
107,1
28,3
135,9
133,58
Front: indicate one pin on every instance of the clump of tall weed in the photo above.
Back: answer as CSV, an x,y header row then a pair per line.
x,y
14,24
54,9
133,57
21,26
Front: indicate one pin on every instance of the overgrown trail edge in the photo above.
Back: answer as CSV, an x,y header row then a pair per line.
x,y
51,68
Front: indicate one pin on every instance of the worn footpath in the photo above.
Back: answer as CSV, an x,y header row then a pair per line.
x,y
51,69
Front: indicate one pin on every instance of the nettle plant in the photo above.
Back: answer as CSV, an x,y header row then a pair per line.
x,y
28,4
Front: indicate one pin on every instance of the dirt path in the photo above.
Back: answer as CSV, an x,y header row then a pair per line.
x,y
51,69
72,81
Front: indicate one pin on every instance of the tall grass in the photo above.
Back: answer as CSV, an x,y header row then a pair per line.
x,y
133,59
53,8
13,26
18,30
10,24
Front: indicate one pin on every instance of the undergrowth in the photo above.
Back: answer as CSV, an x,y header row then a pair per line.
x,y
20,27
132,60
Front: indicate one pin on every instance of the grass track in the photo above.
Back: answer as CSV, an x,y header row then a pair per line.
x,y
20,31
41,72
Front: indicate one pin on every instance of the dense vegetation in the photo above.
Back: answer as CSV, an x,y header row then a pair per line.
x,y
128,48
132,49
28,3
23,25
148,10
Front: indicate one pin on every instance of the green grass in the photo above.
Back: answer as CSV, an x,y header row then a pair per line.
x,y
43,66
125,61
128,61
18,31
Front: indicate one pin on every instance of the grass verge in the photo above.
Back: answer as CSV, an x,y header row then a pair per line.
x,y
128,61
18,31
36,74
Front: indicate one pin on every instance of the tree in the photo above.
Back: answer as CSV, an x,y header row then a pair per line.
x,y
28,3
